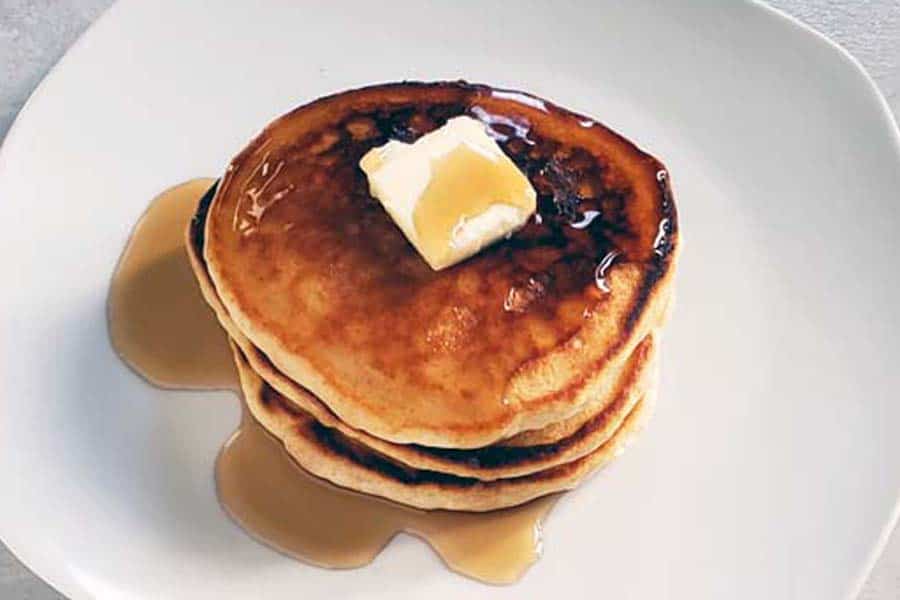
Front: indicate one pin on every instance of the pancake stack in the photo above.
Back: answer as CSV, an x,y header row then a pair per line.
x,y
511,375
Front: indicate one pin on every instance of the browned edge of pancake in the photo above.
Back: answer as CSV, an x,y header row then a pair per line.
x,y
327,454
538,405
492,462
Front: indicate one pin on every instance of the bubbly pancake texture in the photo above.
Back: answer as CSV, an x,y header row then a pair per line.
x,y
314,274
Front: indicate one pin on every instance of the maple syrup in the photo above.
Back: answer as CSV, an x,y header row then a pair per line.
x,y
162,328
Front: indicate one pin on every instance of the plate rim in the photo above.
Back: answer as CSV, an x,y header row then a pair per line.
x,y
893,130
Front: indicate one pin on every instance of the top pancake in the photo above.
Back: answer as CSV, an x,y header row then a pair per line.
x,y
313,271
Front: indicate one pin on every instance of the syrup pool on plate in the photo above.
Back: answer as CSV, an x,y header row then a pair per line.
x,y
162,328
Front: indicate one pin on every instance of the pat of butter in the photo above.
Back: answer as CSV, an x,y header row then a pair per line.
x,y
452,192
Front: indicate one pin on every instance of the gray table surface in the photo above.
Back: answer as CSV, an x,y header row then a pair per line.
x,y
35,33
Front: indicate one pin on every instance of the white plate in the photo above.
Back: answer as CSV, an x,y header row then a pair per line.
x,y
772,468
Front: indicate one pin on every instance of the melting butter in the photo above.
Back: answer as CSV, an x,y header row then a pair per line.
x,y
452,192
471,200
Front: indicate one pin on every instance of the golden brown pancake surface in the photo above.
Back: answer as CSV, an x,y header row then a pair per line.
x,y
620,387
313,271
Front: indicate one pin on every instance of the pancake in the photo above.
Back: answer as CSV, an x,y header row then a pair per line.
x,y
554,432
631,382
327,454
314,274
